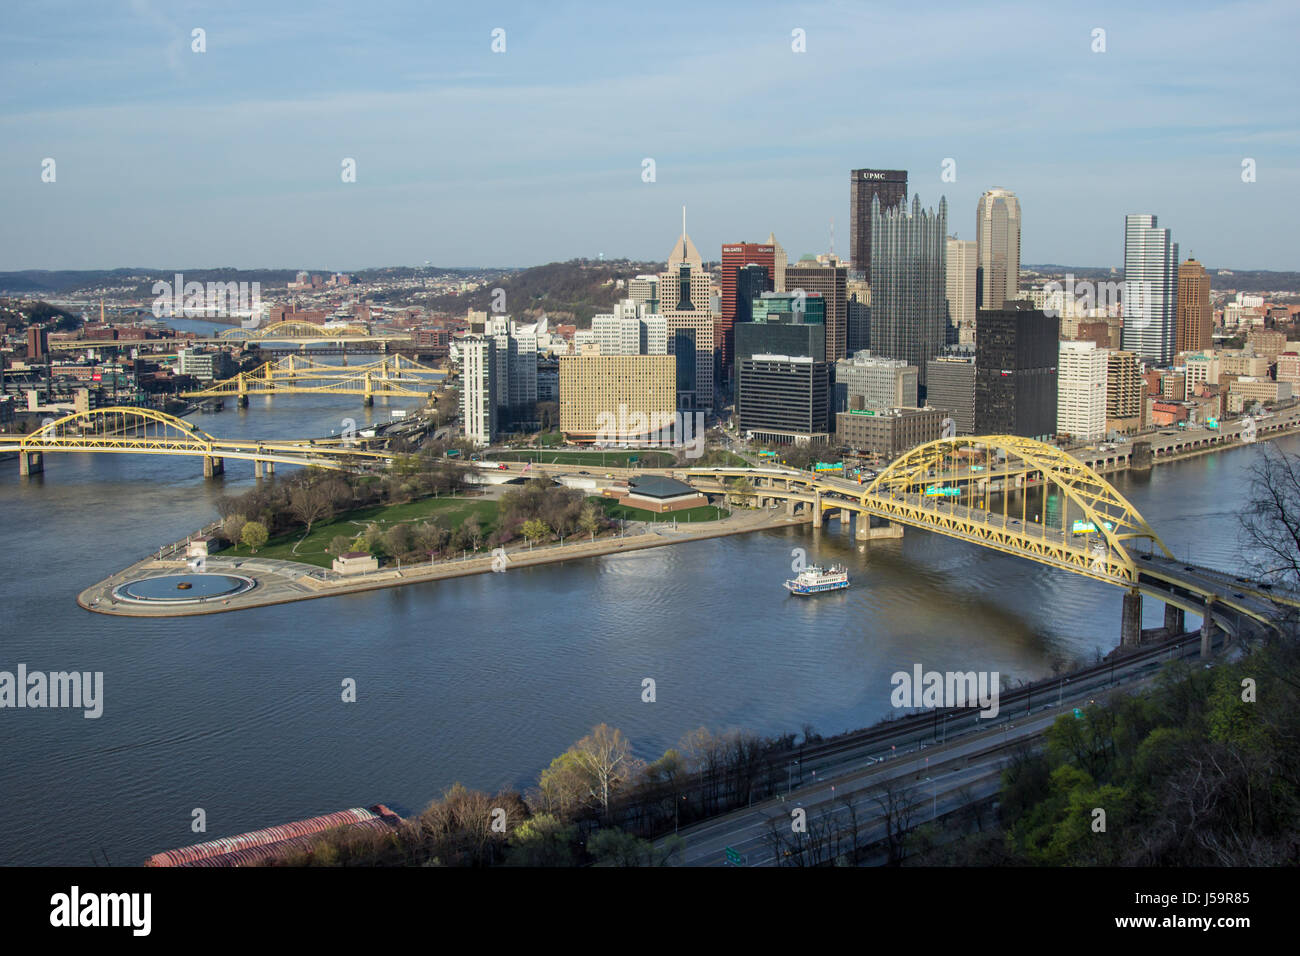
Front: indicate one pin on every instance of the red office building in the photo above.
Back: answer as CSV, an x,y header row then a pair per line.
x,y
735,256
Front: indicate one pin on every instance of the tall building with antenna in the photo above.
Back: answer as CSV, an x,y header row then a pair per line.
x,y
684,293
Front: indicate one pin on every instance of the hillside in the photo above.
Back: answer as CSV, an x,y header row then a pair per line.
x,y
565,291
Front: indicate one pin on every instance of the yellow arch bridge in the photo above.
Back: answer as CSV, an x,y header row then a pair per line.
x,y
979,489
143,431
290,330
390,377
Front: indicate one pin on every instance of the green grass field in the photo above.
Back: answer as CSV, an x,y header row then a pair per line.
x,y
591,460
614,510
452,511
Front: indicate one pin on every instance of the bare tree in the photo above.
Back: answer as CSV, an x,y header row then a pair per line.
x,y
310,502
1271,519
898,804
606,758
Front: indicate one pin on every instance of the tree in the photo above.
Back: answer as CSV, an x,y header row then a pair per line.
x,y
232,527
311,501
605,758
562,788
542,841
253,535
472,531
1271,519
339,544
397,540
535,530
613,847
589,520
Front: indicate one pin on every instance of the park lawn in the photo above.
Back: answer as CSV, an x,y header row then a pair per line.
x,y
453,511
726,459
588,459
613,509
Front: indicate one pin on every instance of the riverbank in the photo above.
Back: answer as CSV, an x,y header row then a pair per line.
x,y
283,582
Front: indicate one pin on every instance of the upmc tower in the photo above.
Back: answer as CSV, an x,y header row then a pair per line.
x,y
864,184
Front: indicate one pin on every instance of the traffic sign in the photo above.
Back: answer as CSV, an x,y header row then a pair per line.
x,y
733,857
1078,714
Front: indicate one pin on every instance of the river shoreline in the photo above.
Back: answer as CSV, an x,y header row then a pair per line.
x,y
283,582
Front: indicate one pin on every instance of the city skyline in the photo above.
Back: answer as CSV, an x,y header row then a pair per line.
x,y
510,159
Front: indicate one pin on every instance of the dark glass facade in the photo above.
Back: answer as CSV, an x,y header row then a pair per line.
x,y
864,185
1016,350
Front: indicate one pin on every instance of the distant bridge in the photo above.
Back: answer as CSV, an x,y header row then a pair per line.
x,y
290,331
396,377
144,431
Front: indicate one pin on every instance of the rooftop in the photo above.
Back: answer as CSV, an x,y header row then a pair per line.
x,y
655,486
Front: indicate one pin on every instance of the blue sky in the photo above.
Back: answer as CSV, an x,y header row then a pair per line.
x,y
232,157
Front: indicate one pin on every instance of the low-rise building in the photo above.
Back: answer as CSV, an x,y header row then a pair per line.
x,y
889,433
656,493
355,562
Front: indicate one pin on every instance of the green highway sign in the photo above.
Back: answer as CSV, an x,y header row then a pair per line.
x,y
1078,714
734,858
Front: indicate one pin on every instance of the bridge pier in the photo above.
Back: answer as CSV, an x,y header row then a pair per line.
x,y
862,526
269,468
1208,627
1174,621
1131,619
30,463
257,468
242,401
213,466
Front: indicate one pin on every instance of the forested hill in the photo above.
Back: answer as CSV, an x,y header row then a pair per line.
x,y
571,291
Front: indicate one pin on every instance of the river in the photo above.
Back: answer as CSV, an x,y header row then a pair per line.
x,y
483,679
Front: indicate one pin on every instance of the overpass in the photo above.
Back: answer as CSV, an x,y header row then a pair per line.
x,y
144,431
965,487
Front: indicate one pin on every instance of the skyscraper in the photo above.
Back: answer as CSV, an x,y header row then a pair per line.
x,y
830,282
997,238
751,282
478,400
858,331
1016,350
782,377
1150,289
950,385
735,257
865,185
1081,390
959,287
1195,317
908,308
684,292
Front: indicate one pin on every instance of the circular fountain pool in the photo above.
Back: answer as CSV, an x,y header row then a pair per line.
x,y
183,588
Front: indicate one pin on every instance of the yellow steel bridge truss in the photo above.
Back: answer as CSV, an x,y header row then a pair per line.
x,y
144,431
949,486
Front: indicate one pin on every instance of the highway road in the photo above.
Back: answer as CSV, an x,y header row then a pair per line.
x,y
936,777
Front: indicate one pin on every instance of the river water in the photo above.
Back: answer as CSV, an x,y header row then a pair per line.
x,y
484,679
